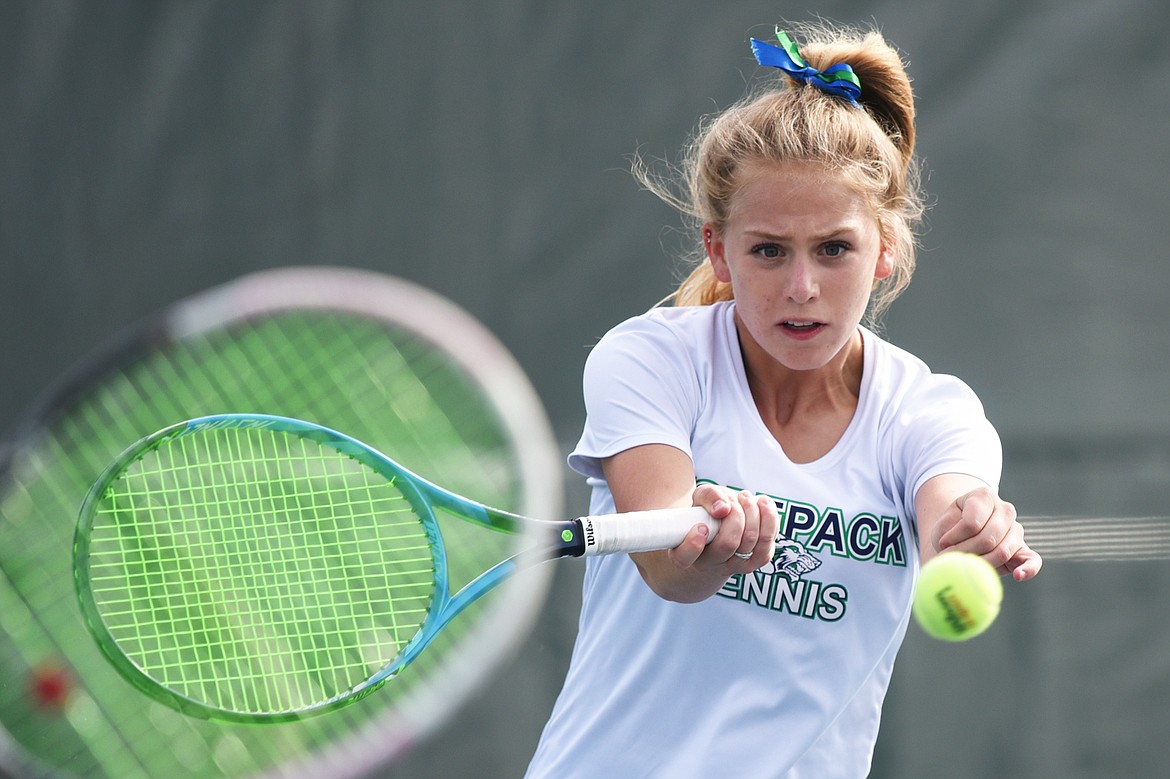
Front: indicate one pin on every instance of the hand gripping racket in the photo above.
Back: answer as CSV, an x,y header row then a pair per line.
x,y
261,568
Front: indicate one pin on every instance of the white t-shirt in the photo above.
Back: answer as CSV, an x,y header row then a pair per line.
x,y
783,672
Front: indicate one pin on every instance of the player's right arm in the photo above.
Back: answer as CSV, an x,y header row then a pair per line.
x,y
660,476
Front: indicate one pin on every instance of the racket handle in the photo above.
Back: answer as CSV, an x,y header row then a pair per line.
x,y
643,531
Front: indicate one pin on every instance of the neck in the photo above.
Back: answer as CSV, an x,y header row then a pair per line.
x,y
806,410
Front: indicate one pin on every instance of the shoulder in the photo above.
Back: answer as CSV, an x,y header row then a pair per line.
x,y
929,423
647,381
907,383
679,323
685,334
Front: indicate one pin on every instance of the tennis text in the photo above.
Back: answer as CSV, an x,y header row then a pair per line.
x,y
806,536
802,597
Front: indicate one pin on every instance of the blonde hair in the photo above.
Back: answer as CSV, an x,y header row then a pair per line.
x,y
872,146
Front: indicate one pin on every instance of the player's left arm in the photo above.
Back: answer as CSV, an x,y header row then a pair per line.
x,y
961,512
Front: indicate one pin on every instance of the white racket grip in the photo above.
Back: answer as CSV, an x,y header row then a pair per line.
x,y
643,531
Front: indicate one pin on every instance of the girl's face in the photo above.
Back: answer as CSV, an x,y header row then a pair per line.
x,y
802,251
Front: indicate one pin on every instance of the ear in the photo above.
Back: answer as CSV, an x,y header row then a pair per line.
x,y
716,253
885,262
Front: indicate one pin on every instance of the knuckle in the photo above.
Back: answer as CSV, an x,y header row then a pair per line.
x,y
983,546
969,524
997,556
708,493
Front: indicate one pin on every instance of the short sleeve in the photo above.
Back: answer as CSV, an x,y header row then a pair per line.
x,y
640,387
942,428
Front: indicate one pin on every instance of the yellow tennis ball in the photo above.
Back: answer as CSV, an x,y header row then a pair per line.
x,y
958,596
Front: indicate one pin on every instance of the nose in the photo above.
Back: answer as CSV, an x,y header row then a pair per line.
x,y
801,285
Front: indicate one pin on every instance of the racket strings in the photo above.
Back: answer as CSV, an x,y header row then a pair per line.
x,y
259,571
1099,539
422,391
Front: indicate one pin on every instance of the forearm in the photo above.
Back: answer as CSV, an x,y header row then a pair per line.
x,y
681,585
658,476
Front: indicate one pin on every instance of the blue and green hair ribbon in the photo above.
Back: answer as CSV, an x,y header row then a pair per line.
x,y
838,80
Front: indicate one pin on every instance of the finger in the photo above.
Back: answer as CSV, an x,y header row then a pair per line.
x,y
1025,564
769,526
1009,546
693,545
974,510
750,534
731,527
712,498
985,523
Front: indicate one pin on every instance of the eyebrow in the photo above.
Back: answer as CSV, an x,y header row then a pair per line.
x,y
836,232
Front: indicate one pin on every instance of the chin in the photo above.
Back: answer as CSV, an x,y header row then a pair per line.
x,y
808,357
803,360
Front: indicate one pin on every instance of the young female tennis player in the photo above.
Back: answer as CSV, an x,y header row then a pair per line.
x,y
837,461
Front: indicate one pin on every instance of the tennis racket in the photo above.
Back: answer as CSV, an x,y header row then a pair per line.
x,y
262,568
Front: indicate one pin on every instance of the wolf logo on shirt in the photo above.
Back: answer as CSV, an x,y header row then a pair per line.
x,y
780,585
791,559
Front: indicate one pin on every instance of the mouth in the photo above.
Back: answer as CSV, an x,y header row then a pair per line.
x,y
802,328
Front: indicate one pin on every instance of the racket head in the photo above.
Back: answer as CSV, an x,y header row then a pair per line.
x,y
257,568
374,355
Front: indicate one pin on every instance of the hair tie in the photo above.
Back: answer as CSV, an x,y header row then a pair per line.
x,y
838,80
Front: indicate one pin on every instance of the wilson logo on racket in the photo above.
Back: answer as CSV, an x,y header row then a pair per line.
x,y
590,536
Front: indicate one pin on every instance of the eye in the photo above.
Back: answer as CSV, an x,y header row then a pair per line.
x,y
768,251
836,249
